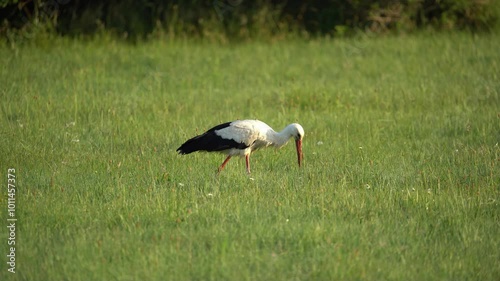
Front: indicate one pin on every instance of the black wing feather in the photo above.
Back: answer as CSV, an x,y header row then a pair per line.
x,y
210,141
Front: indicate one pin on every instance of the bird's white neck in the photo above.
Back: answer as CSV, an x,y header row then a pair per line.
x,y
281,138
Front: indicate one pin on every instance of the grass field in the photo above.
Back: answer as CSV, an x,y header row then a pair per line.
x,y
402,160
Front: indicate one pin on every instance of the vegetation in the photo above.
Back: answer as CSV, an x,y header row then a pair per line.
x,y
400,180
223,20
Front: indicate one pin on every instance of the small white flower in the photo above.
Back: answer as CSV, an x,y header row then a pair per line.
x,y
210,195
360,147
181,184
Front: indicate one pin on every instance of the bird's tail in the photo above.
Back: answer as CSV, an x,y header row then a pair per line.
x,y
191,145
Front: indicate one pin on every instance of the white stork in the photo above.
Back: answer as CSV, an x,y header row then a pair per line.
x,y
241,138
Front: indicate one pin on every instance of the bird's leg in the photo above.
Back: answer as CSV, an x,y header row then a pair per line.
x,y
223,164
247,160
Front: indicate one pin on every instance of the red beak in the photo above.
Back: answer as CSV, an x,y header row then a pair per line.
x,y
298,144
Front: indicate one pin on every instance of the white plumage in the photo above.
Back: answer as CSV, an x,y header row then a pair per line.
x,y
242,137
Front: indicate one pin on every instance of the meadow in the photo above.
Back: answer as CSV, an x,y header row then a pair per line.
x,y
401,174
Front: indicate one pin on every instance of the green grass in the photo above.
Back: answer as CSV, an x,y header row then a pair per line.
x,y
401,176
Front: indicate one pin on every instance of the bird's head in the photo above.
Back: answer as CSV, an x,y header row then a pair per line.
x,y
298,134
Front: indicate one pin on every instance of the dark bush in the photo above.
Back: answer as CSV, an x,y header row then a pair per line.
x,y
242,19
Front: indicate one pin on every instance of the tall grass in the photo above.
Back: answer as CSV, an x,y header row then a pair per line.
x,y
401,160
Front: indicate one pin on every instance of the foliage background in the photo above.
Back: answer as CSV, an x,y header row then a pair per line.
x,y
237,19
